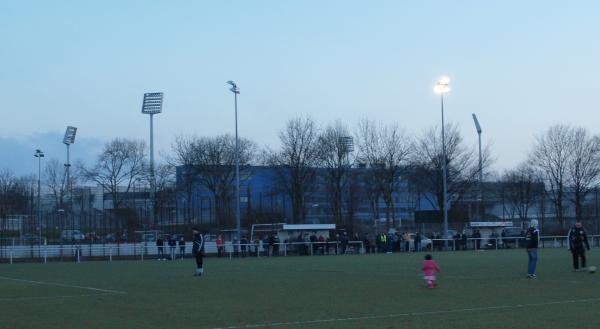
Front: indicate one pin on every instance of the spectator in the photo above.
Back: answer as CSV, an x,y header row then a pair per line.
x,y
321,244
276,245
463,240
390,242
367,244
172,246
344,243
271,241
457,240
418,241
371,242
439,243
181,247
299,244
244,245
313,242
307,244
406,238
577,240
477,237
160,244
220,246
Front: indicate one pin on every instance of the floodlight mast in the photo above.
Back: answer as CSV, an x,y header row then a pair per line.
x,y
480,203
238,226
152,105
39,155
442,87
68,140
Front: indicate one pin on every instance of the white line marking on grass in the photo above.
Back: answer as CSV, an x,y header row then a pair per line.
x,y
398,315
65,285
16,299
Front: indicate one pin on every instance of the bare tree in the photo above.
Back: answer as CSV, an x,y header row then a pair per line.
x,y
164,175
15,193
183,157
55,178
385,151
215,164
551,156
521,187
583,166
334,156
210,162
121,163
461,165
295,162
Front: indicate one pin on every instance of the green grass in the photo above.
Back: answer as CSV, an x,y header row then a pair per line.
x,y
477,290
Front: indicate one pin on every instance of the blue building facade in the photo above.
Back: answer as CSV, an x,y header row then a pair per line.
x,y
263,199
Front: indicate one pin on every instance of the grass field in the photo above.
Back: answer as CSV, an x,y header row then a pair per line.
x,y
477,290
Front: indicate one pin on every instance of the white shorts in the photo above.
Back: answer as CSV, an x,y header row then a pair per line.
x,y
429,277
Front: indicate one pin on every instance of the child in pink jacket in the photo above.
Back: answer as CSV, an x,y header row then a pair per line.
x,y
430,267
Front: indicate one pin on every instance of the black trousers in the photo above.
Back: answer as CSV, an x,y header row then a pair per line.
x,y
199,259
578,253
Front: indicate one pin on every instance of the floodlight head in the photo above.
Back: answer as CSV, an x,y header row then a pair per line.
x,y
38,154
477,126
234,88
152,103
442,86
70,135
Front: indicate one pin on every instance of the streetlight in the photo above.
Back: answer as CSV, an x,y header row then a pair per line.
x,y
235,90
68,140
480,205
442,87
39,155
152,105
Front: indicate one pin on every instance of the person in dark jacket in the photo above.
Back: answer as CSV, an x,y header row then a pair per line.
x,y
172,245
160,244
344,242
532,238
244,245
577,241
418,241
181,247
477,237
198,251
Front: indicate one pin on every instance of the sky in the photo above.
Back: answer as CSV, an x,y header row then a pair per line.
x,y
521,66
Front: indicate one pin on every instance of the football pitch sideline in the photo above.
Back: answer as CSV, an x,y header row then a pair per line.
x,y
476,290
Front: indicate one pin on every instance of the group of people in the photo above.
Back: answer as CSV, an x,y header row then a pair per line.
x,y
172,243
390,242
578,244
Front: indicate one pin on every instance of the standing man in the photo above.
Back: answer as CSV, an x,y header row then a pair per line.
x,y
532,237
577,240
220,246
172,245
198,251
160,244
182,246
417,241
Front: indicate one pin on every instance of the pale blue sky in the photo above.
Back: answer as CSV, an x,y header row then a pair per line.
x,y
520,65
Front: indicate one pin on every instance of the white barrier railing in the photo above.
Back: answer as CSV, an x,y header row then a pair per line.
x,y
143,251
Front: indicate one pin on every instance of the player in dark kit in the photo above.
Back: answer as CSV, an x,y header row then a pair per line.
x,y
577,240
198,251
